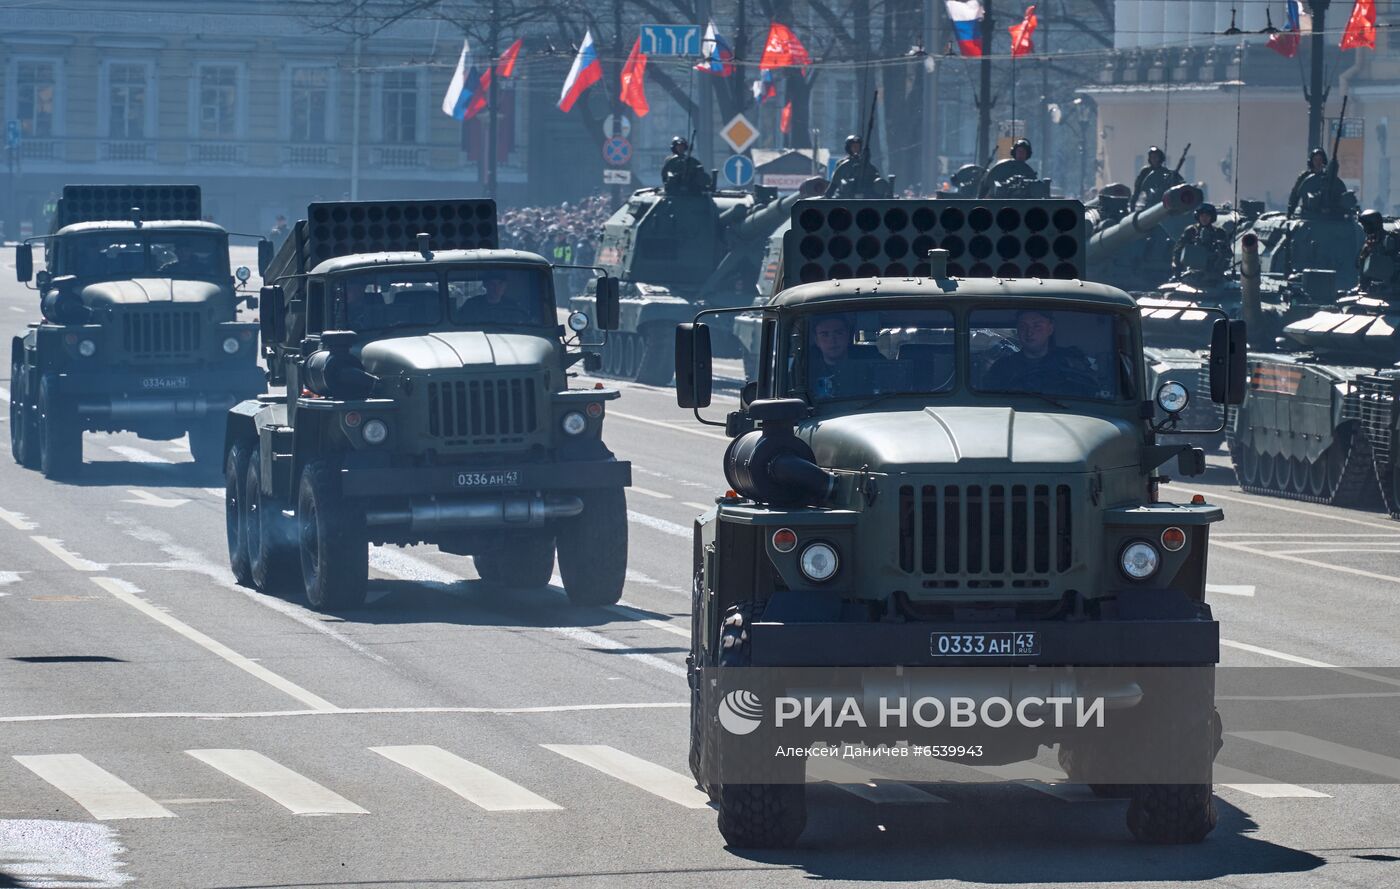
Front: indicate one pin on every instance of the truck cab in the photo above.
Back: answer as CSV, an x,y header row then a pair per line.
x,y
428,400
935,473
140,328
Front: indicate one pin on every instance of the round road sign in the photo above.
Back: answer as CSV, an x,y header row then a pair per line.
x,y
617,151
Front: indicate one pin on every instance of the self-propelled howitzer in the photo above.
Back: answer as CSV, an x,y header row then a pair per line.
x,y
1132,250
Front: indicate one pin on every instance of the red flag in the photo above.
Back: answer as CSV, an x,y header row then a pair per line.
x,y
1021,44
1361,27
634,93
483,92
506,66
783,49
785,121
1286,42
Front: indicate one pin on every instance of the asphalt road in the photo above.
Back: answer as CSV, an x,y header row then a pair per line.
x,y
162,727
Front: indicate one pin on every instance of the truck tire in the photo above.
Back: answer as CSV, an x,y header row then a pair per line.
x,y
524,561
334,548
593,549
24,438
60,436
754,816
658,362
1175,814
207,443
270,539
235,475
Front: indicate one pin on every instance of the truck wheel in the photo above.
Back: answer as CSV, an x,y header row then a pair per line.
x,y
593,549
207,443
658,363
60,437
1186,744
525,561
271,546
334,549
235,473
1075,762
24,438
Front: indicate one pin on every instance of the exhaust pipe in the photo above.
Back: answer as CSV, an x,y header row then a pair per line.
x,y
443,514
153,408
1250,308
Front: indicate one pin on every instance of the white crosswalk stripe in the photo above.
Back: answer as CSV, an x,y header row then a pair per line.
x,y
634,770
872,788
468,780
1257,785
295,792
104,795
1329,751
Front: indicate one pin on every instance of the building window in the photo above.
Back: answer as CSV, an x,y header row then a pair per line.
x,y
400,94
218,102
310,103
35,86
127,101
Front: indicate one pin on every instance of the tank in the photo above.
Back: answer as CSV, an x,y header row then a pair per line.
x,y
677,254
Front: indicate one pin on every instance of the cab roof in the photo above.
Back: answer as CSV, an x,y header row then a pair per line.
x,y
110,225
413,257
976,288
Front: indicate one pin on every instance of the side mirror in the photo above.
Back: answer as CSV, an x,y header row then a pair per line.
x,y
694,380
1228,352
272,320
609,310
264,255
24,262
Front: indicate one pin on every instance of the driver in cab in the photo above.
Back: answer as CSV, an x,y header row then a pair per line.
x,y
1039,365
497,304
831,369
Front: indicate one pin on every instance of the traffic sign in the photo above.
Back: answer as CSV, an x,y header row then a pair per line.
x,y
738,170
617,125
617,177
671,40
617,151
739,134
12,133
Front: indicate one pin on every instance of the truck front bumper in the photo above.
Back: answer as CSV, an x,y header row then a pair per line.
x,y
116,394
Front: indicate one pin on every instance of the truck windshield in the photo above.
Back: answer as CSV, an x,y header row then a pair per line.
x,y
499,296
156,254
860,354
1057,353
414,298
390,299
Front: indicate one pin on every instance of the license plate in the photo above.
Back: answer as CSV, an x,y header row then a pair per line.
x,y
1014,643
165,382
504,478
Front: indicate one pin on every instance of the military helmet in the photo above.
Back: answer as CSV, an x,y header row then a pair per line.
x,y
1371,220
965,174
853,138
1022,143
1317,152
1207,208
1157,151
1116,190
679,142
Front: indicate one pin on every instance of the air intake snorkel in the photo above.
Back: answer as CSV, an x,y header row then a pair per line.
x,y
333,372
772,465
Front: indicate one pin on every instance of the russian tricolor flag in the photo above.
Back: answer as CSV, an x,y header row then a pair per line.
x,y
967,25
459,93
716,55
587,70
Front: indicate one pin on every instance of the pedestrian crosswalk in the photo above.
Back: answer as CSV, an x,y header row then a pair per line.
x,y
93,785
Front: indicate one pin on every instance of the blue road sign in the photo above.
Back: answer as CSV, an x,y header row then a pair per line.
x,y
617,151
671,40
738,170
12,133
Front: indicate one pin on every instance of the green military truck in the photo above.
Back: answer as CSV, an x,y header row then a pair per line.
x,y
427,400
933,473
140,328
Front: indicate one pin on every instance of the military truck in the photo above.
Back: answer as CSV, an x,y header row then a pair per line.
x,y
140,328
675,253
427,401
932,499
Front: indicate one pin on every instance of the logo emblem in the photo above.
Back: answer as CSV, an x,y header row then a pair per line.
x,y
740,712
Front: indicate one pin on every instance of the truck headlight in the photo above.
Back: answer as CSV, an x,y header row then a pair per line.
x,y
574,423
819,562
87,348
230,345
375,432
1139,560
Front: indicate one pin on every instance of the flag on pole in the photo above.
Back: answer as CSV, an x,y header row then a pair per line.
x,y
967,25
1021,44
1287,41
764,88
783,49
716,55
1361,27
586,71
459,94
483,92
505,66
634,93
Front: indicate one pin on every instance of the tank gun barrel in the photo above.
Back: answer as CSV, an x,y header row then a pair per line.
x,y
1250,308
1177,200
763,221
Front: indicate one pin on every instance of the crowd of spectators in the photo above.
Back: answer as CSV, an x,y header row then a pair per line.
x,y
566,234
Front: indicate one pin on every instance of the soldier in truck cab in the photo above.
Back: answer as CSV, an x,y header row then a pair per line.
x,y
1039,365
830,362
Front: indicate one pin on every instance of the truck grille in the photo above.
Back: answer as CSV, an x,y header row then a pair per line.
x,y
1375,408
482,412
985,536
160,334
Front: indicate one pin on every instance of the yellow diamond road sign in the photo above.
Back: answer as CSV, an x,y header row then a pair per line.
x,y
739,133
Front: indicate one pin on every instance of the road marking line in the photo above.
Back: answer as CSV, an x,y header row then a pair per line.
x,y
1269,652
634,770
665,527
136,455
672,426
219,493
1332,549
72,560
1225,589
633,614
1264,504
650,493
49,852
146,498
295,792
1308,535
860,783
359,711
588,637
700,506
468,780
1244,548
1257,785
16,309
17,520
104,795
4,394
1328,751
125,592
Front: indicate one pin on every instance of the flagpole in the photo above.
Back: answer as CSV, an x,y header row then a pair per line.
x,y
492,91
705,112
1317,94
984,102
